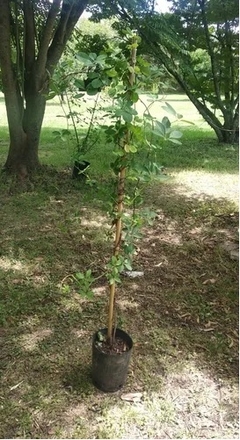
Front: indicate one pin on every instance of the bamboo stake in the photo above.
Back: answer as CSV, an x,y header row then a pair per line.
x,y
120,206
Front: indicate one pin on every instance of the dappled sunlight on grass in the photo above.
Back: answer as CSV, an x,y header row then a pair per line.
x,y
168,231
125,304
190,404
80,333
100,291
29,341
182,314
7,264
98,222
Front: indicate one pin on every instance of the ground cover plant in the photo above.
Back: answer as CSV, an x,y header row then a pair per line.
x,y
183,313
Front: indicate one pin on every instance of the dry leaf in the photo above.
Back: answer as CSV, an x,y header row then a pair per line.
x,y
184,315
231,342
131,397
210,280
209,323
16,386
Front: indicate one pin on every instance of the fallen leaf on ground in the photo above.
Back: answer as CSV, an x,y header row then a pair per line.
x,y
131,397
211,280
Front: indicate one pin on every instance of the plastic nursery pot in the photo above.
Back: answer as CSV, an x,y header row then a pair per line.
x,y
109,370
79,168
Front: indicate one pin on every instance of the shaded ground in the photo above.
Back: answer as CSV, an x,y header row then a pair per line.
x,y
182,315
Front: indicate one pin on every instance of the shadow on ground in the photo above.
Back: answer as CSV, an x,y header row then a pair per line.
x,y
182,315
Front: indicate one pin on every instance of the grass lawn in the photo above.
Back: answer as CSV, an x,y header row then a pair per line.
x,y
182,314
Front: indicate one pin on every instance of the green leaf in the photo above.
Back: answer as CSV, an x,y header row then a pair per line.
x,y
80,276
90,91
166,122
129,148
175,134
114,260
89,294
179,116
133,148
79,83
111,73
111,281
127,265
175,141
112,92
131,110
126,116
78,95
135,97
160,128
167,107
84,58
96,83
92,56
66,288
101,58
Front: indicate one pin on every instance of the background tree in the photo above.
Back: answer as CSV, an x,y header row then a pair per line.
x,y
33,37
197,44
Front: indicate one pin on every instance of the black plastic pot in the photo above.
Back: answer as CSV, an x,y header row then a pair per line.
x,y
79,169
109,370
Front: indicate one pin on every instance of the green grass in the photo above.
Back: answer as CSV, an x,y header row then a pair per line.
x,y
199,151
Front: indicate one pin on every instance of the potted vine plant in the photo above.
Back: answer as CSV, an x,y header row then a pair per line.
x,y
82,79
111,346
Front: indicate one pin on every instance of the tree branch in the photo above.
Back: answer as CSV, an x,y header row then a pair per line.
x,y
229,52
29,37
10,85
202,5
70,13
47,36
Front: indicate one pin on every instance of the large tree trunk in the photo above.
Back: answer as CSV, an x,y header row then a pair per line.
x,y
24,139
29,53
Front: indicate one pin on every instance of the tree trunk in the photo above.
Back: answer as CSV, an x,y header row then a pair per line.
x,y
36,48
24,139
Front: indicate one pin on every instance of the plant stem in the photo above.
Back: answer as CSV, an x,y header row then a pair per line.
x,y
73,122
120,197
90,125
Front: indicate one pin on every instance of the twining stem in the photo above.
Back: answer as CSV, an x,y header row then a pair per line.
x,y
120,198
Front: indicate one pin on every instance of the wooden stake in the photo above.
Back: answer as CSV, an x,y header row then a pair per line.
x,y
120,197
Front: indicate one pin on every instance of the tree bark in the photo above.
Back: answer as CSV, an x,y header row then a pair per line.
x,y
23,152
